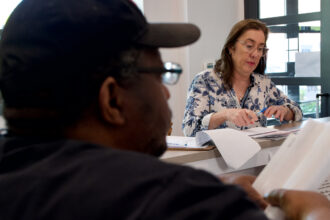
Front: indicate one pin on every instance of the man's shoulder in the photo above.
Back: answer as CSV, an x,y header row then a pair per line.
x,y
77,159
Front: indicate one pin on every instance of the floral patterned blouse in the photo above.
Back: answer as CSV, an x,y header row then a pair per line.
x,y
207,95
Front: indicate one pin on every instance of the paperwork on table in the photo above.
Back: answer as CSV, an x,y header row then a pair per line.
x,y
235,146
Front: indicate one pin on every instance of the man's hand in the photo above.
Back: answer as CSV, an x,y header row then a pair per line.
x,y
300,205
245,181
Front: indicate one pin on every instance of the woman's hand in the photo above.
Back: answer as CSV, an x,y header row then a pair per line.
x,y
299,205
240,117
280,112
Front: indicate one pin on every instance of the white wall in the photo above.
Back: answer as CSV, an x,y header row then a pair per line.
x,y
215,18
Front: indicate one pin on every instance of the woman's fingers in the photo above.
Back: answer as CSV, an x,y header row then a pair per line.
x,y
252,116
279,112
242,117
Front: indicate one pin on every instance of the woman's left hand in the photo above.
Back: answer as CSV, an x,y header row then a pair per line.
x,y
280,112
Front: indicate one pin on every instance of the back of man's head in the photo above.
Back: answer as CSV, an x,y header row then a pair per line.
x,y
52,51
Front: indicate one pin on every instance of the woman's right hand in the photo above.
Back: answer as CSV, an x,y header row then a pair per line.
x,y
240,117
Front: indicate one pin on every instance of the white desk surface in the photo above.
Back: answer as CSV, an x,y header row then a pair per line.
x,y
213,162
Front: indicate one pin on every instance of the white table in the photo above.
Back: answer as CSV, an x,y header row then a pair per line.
x,y
212,161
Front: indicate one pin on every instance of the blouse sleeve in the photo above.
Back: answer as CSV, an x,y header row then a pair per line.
x,y
197,112
277,97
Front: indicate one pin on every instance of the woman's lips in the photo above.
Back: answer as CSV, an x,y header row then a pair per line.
x,y
251,63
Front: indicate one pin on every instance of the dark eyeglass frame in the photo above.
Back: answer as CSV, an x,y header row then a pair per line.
x,y
170,72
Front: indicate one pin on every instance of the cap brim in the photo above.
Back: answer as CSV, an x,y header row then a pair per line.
x,y
170,35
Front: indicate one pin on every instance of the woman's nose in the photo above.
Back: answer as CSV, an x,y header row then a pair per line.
x,y
254,53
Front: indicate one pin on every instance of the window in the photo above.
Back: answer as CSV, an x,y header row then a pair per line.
x,y
270,9
308,6
306,98
296,58
294,49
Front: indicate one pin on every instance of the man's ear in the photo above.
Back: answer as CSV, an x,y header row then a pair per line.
x,y
111,102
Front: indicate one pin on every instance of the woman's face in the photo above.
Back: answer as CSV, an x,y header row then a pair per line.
x,y
247,51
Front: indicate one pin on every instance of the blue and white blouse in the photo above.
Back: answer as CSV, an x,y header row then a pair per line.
x,y
207,95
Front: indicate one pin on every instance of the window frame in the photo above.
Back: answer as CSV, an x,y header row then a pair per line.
x,y
251,10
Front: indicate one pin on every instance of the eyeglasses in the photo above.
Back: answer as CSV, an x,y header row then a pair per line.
x,y
170,72
250,47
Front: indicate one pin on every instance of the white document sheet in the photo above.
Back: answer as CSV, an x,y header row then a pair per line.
x,y
181,142
325,188
259,131
301,163
236,147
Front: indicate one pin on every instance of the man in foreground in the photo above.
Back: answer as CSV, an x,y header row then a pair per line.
x,y
87,113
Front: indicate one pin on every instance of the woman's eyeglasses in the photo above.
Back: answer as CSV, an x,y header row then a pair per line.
x,y
250,47
170,72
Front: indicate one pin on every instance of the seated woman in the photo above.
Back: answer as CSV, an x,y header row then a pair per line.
x,y
236,93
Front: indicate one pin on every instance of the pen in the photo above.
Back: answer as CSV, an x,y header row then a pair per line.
x,y
262,111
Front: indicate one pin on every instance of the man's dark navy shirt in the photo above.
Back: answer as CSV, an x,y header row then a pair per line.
x,y
67,179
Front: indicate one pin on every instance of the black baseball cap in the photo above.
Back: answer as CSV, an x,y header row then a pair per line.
x,y
53,44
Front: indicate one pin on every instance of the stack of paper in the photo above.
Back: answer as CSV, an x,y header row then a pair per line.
x,y
301,163
269,133
236,147
181,142
325,188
